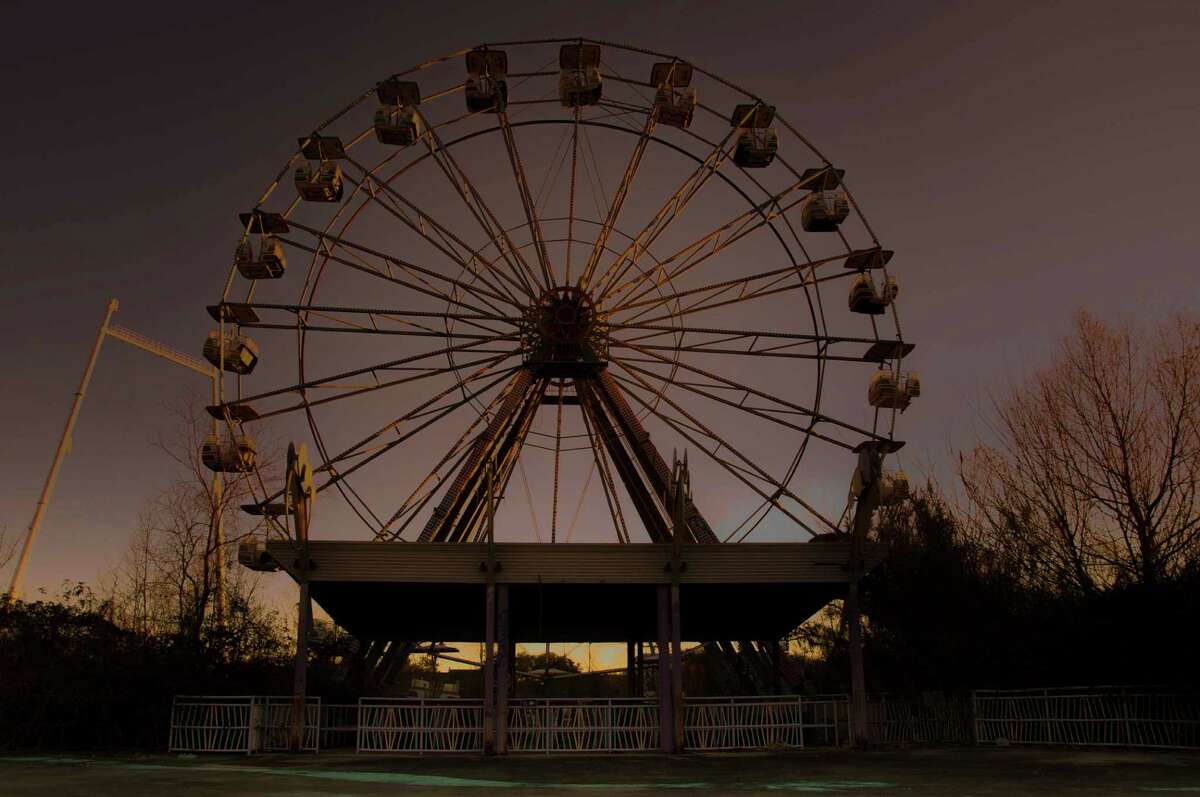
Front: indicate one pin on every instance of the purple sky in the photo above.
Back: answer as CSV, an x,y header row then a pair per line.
x,y
1024,160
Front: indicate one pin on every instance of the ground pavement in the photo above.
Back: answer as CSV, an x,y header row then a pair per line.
x,y
918,771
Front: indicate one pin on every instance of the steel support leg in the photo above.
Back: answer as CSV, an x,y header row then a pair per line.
x,y
489,673
300,683
503,668
631,668
666,713
676,672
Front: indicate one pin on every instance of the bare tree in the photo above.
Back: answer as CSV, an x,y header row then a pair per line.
x,y
1095,474
168,579
8,548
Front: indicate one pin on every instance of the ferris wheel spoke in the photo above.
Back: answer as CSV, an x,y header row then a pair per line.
x,y
425,409
461,256
415,505
816,416
557,453
518,169
434,479
393,314
609,486
329,465
701,349
349,328
483,214
374,369
352,391
742,474
719,239
778,285
743,282
324,250
618,200
476,291
462,515
571,199
587,483
765,413
666,214
653,330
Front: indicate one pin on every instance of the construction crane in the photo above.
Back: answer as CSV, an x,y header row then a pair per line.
x,y
108,329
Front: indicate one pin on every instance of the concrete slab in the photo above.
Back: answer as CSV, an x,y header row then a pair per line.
x,y
938,772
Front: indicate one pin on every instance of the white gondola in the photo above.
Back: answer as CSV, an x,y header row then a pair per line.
x,y
866,298
757,141
888,390
487,81
675,107
579,81
240,352
268,264
823,211
252,553
893,488
319,182
398,125
674,99
228,454
397,122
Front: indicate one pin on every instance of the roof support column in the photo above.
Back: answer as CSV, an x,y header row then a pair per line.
x,y
666,711
631,668
502,676
489,672
870,465
676,672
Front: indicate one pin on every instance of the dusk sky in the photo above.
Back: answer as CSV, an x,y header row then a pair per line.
x,y
1024,161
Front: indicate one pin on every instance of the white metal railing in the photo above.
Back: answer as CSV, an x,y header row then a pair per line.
x,y
553,725
339,726
419,725
929,717
1113,716
760,722
239,724
273,721
1083,716
208,724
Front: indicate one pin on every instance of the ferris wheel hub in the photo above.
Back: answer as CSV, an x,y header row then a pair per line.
x,y
564,334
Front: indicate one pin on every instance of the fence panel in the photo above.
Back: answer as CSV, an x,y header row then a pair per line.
x,y
339,726
273,721
212,724
419,725
932,717
1082,716
825,720
551,725
762,722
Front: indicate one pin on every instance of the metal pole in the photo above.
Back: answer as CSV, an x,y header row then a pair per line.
x,y
489,641
869,465
218,530
678,529
631,668
301,497
677,707
503,666
666,715
64,445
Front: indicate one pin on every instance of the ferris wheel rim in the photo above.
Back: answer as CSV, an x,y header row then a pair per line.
x,y
816,313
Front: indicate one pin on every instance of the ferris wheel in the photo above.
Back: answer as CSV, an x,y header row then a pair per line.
x,y
526,270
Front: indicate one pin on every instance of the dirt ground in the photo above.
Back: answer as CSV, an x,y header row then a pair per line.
x,y
941,771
